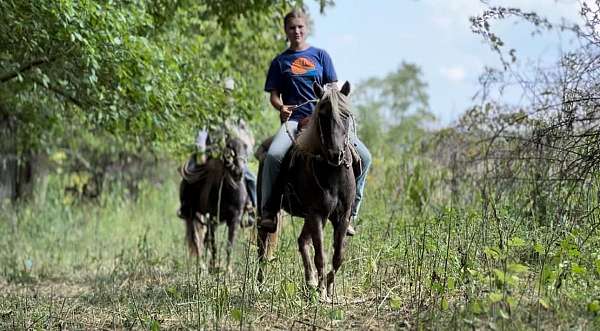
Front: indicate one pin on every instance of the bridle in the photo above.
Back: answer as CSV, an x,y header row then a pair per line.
x,y
229,158
287,129
343,159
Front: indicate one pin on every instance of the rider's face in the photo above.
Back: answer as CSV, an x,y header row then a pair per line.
x,y
296,31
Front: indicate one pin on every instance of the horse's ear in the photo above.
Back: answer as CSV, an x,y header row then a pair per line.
x,y
345,88
318,90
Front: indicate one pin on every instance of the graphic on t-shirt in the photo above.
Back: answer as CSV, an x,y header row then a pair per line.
x,y
302,66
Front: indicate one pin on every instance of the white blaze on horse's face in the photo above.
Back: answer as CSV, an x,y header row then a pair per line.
x,y
333,121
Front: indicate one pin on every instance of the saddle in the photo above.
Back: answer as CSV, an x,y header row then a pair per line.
x,y
263,148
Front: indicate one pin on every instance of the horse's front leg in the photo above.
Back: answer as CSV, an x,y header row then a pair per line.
x,y
232,226
303,241
315,224
339,239
212,242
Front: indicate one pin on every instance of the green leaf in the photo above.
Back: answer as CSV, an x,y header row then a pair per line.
x,y
495,297
236,314
336,314
594,306
500,276
154,325
444,304
538,248
512,302
475,307
451,283
493,252
544,303
516,242
395,302
290,288
577,269
517,268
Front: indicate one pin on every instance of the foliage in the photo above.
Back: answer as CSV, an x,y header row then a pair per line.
x,y
148,71
398,104
492,224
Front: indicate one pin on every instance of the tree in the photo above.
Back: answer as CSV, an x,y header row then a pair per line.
x,y
396,105
544,151
147,72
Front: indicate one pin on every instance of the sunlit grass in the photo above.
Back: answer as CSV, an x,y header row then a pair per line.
x,y
121,262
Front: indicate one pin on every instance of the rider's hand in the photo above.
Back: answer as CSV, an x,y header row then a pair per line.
x,y
284,112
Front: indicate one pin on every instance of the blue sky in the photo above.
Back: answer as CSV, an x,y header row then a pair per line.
x,y
372,38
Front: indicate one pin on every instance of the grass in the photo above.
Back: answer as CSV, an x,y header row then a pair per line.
x,y
417,263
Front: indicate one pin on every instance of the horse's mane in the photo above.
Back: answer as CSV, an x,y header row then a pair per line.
x,y
308,140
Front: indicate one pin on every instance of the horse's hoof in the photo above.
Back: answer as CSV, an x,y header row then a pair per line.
x,y
330,289
324,298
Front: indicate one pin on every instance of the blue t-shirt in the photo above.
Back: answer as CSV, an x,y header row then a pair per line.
x,y
292,73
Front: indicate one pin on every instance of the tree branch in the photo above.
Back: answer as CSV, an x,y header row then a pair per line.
x,y
10,75
58,91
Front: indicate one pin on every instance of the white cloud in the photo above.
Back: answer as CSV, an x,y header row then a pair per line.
x,y
454,74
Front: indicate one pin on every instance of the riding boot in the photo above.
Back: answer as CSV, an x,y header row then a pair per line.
x,y
267,223
268,219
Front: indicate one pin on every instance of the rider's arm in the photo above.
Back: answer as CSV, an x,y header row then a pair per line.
x,y
276,100
284,110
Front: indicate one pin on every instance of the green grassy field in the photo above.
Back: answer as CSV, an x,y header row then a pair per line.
x,y
416,263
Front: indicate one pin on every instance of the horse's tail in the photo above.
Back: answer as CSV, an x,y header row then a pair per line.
x,y
273,239
195,232
267,244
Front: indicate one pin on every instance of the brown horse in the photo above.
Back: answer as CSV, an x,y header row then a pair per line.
x,y
218,195
317,183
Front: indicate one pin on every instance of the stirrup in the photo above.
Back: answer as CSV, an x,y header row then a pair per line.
x,y
267,224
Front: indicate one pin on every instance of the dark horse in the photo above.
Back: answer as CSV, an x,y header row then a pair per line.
x,y
217,194
318,183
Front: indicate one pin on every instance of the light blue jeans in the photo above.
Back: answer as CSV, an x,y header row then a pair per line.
x,y
282,142
250,180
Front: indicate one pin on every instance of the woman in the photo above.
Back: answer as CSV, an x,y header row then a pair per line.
x,y
289,81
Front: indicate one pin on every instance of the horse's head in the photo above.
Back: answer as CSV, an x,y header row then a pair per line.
x,y
235,157
333,121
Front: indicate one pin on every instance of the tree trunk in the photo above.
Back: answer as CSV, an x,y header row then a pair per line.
x,y
23,176
32,178
8,160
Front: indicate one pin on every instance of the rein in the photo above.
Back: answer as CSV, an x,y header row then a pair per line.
x,y
348,162
296,107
